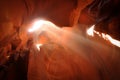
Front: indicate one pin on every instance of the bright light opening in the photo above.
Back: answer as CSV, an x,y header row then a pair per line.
x,y
113,41
37,25
40,25
91,32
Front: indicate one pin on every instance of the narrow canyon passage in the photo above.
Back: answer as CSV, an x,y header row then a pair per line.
x,y
59,39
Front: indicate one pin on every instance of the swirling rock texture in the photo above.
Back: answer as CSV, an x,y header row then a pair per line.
x,y
76,56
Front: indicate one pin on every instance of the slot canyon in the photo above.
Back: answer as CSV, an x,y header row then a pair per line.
x,y
59,39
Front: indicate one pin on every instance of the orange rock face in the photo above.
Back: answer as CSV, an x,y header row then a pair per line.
x,y
83,60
